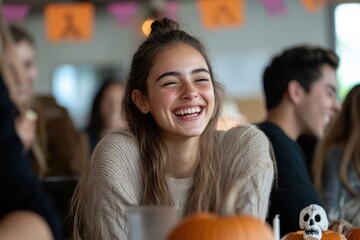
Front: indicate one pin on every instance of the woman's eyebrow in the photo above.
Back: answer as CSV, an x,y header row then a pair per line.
x,y
174,73
198,70
168,74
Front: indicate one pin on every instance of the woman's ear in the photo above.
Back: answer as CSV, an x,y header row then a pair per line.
x,y
140,101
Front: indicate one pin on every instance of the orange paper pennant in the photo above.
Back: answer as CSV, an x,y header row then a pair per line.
x,y
221,13
313,5
69,21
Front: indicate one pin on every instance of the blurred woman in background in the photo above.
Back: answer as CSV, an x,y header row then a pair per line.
x,y
336,168
106,112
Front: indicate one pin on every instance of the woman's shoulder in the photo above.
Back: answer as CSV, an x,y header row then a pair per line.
x,y
243,134
113,169
245,141
117,147
244,150
122,138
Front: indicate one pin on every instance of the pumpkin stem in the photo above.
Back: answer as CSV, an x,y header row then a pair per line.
x,y
227,207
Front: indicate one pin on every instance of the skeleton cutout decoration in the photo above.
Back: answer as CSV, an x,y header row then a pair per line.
x,y
314,220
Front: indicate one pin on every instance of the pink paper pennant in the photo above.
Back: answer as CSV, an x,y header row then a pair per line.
x,y
123,12
275,7
15,13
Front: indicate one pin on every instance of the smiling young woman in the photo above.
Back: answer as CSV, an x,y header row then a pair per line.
x,y
170,154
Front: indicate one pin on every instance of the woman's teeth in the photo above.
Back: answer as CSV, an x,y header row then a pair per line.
x,y
185,111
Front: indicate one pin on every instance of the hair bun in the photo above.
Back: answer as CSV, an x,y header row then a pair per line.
x,y
164,25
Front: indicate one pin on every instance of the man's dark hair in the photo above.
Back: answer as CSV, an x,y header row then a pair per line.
x,y
20,34
300,63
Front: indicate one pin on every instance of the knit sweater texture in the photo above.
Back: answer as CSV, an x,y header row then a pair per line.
x,y
113,180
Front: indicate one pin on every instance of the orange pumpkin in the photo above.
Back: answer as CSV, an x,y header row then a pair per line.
x,y
210,226
354,234
225,226
327,235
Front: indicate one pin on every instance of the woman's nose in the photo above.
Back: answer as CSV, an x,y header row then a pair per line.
x,y
189,92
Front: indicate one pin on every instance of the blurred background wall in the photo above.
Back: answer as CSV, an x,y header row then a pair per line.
x,y
238,54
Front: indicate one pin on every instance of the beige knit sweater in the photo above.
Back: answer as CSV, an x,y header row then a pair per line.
x,y
113,180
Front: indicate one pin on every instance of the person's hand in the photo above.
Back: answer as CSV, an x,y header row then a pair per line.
x,y
25,126
342,226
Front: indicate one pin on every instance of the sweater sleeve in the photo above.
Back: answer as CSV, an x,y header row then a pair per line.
x,y
250,160
111,184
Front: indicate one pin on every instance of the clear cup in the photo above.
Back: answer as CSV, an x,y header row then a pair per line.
x,y
151,222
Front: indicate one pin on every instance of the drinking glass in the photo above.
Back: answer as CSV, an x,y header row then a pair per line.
x,y
151,222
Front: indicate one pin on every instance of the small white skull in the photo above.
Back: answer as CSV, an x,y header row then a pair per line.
x,y
314,220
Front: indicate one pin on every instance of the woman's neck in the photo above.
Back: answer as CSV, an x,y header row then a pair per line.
x,y
182,157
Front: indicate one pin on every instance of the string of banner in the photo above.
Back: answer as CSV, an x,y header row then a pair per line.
x,y
74,21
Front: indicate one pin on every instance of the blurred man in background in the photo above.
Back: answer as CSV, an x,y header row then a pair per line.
x,y
301,98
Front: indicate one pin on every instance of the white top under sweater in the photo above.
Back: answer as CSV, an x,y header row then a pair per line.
x,y
113,180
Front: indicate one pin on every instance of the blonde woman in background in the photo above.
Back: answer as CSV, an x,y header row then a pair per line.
x,y
26,209
63,148
336,168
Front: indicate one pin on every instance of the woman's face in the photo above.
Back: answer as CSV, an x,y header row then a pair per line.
x,y
180,93
27,57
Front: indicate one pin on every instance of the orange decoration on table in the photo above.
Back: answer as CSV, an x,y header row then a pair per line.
x,y
327,235
354,234
315,223
225,226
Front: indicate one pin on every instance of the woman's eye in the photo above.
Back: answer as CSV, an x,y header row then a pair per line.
x,y
202,80
169,84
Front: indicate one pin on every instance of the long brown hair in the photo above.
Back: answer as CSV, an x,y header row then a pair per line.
x,y
204,194
344,132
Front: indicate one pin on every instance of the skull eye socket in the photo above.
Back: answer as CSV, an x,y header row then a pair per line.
x,y
306,217
317,218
